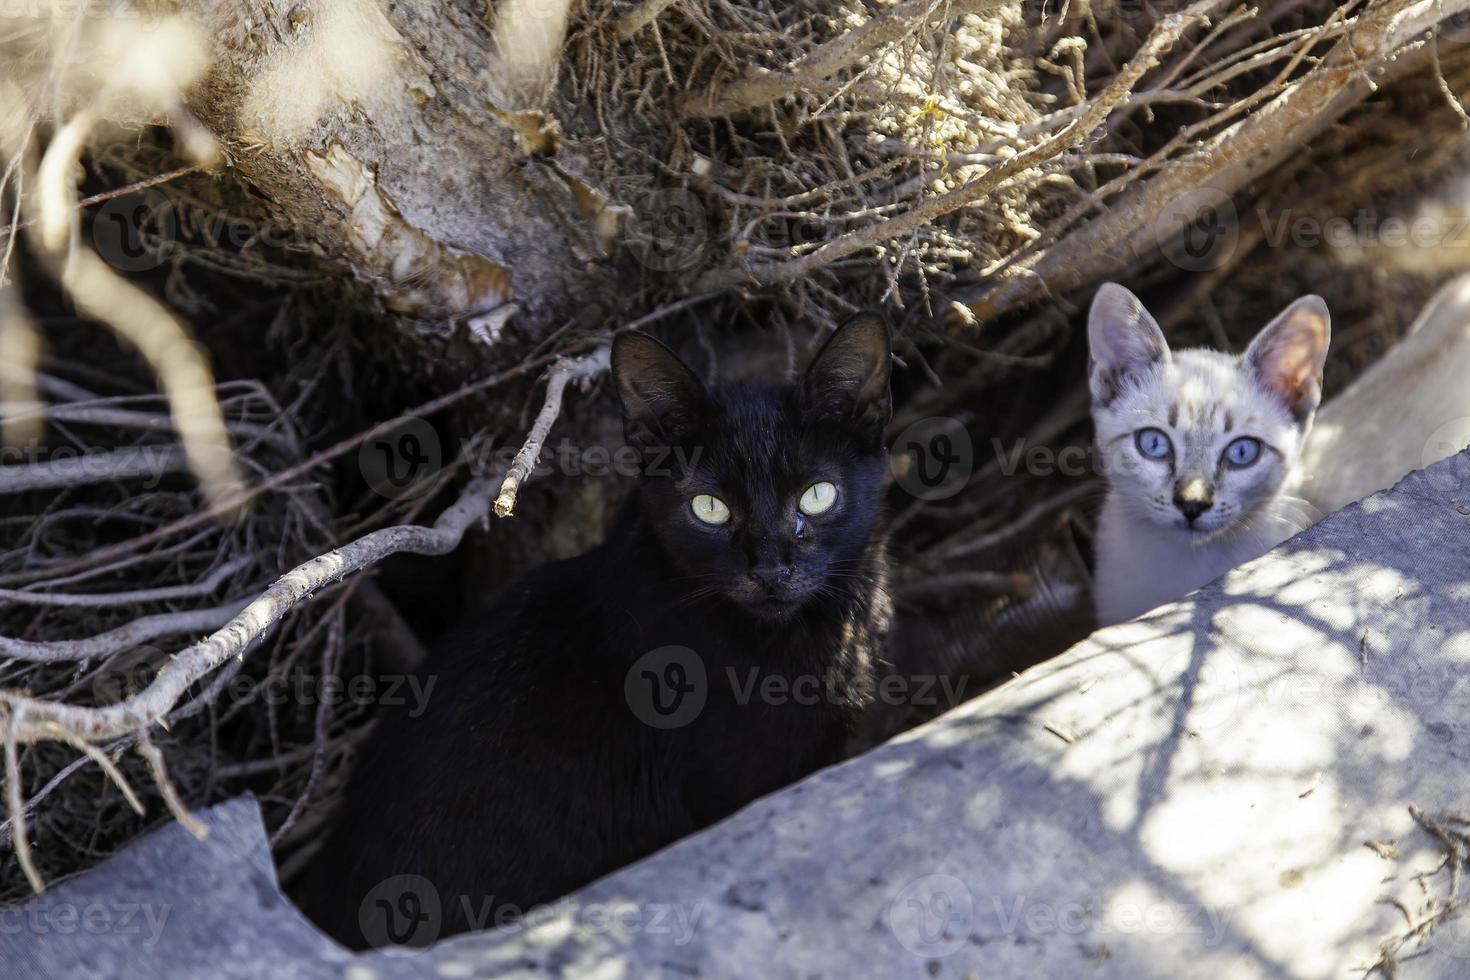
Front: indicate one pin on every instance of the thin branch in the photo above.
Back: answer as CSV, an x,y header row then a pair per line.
x,y
1163,37
14,804
1386,42
108,767
765,86
97,600
144,322
581,370
640,17
181,813
140,630
129,463
285,477
20,351
32,718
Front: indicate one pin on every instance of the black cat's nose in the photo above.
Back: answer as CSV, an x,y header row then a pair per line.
x,y
772,578
1193,498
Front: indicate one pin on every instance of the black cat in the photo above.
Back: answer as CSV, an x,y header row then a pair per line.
x,y
716,647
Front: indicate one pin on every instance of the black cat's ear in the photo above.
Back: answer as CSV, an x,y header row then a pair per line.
x,y
847,381
1288,355
1123,339
664,403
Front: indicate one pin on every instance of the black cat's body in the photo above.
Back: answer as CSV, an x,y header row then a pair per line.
x,y
545,758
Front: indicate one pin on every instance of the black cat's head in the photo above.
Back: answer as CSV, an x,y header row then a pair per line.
x,y
766,495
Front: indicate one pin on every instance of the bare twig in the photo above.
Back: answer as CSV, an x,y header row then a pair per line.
x,y
14,805
1387,41
581,370
640,17
249,625
181,813
1160,40
140,630
129,463
283,478
95,600
765,86
20,350
147,324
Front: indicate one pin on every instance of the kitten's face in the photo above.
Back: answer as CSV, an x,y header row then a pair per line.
x,y
1198,441
766,496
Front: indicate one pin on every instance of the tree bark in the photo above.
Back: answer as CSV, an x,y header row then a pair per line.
x,y
378,135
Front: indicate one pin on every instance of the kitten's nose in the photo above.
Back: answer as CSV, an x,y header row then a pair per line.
x,y
772,578
1193,498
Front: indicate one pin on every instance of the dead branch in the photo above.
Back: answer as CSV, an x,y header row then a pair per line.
x,y
130,463
581,370
1160,41
30,719
640,17
181,813
140,630
206,515
765,86
93,600
247,626
19,842
20,349
1387,41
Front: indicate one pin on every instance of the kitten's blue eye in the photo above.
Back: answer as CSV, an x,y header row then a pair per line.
x,y
1243,451
1153,443
709,509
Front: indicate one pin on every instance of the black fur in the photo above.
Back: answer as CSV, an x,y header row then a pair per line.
x,y
533,771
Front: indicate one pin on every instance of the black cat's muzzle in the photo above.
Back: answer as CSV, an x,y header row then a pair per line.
x,y
771,593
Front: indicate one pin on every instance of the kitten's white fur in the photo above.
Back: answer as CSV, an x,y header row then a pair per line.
x,y
1406,411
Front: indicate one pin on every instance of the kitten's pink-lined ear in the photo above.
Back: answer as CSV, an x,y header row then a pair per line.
x,y
1288,355
847,381
1123,339
664,403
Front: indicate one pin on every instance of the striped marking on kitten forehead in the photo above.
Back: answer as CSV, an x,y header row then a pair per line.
x,y
1197,407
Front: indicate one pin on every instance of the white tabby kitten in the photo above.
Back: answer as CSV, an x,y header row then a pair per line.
x,y
1213,459
1198,446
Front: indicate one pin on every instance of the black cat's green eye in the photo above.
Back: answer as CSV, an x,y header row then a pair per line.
x,y
710,509
817,498
1154,443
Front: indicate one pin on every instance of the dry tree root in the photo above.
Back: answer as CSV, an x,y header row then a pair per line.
x,y
145,323
29,719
